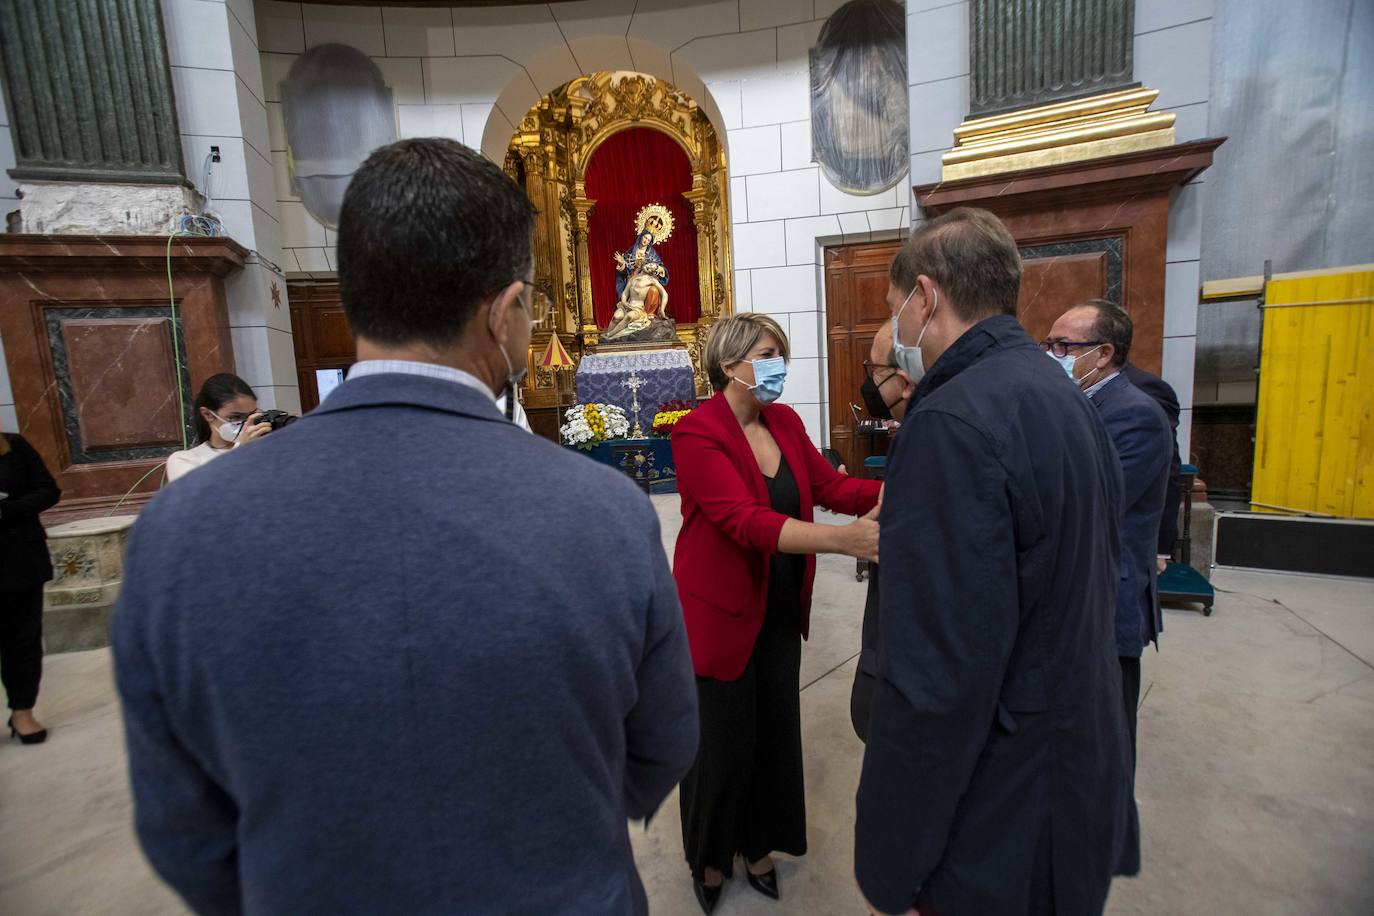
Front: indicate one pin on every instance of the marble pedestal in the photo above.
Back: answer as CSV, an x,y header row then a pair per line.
x,y
88,569
103,368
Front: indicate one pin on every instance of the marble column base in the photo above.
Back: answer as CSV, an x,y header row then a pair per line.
x,y
90,208
88,569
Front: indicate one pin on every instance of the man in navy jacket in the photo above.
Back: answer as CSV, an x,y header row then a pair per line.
x,y
1094,341
996,773
368,664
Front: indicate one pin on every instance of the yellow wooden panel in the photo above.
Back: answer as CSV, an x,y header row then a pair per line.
x,y
1314,443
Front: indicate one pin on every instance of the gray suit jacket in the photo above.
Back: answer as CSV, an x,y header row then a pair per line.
x,y
401,657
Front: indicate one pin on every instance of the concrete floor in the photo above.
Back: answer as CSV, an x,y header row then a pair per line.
x,y
1256,780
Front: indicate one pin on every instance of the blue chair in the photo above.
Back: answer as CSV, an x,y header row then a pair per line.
x,y
1179,581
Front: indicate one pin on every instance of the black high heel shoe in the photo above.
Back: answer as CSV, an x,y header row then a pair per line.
x,y
766,883
708,897
37,737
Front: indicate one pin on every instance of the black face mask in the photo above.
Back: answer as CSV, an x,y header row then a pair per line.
x,y
873,400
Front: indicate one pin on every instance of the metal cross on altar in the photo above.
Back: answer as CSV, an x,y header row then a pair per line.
x,y
634,383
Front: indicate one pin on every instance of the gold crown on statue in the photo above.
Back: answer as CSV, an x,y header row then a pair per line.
x,y
665,219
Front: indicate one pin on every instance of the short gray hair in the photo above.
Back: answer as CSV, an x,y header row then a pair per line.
x,y
731,340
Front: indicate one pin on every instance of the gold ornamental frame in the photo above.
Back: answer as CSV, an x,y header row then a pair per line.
x,y
549,155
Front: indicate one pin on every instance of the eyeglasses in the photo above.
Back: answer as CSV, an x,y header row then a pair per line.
x,y
872,369
540,303
1061,348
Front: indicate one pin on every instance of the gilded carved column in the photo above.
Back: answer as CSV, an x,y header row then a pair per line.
x,y
703,217
581,207
89,91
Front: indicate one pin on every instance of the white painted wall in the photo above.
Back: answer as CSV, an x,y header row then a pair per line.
x,y
1173,53
217,78
472,74
9,421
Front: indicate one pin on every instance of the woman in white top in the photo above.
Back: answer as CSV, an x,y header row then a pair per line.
x,y
226,409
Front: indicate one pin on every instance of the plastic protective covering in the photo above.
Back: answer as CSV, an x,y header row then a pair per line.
x,y
337,110
1293,89
859,132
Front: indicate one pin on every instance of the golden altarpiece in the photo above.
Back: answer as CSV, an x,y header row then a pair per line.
x,y
549,156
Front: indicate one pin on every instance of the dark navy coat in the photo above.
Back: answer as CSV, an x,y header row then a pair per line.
x,y
997,773
401,657
1167,399
1144,445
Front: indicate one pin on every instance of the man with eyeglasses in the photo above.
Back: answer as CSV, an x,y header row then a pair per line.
x,y
1091,342
401,696
885,392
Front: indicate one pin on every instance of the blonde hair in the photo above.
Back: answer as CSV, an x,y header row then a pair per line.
x,y
731,340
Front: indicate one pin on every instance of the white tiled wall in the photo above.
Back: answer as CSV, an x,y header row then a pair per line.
x,y
217,77
745,61
938,70
1173,53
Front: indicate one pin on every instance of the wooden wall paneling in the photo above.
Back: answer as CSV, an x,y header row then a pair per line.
x,y
323,339
856,283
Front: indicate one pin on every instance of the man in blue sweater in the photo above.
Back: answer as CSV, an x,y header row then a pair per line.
x,y
368,666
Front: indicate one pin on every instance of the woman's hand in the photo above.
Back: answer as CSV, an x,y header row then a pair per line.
x,y
253,429
619,261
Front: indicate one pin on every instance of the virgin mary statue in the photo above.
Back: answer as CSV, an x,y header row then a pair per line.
x,y
641,280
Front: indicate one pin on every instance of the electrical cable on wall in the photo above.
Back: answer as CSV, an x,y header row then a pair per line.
x,y
176,343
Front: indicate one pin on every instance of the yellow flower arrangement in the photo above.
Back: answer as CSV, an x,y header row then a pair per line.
x,y
667,417
591,424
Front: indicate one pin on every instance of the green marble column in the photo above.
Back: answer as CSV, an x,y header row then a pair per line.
x,y
1025,53
89,91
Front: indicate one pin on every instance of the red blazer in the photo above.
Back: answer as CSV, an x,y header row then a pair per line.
x,y
729,530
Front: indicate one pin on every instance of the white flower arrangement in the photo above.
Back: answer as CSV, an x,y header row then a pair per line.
x,y
588,425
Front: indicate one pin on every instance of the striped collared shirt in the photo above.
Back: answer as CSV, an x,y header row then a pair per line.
x,y
427,370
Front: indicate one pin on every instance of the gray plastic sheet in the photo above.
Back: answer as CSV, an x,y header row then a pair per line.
x,y
859,123
1293,90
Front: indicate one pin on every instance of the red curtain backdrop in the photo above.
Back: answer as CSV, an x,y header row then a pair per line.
x,y
632,169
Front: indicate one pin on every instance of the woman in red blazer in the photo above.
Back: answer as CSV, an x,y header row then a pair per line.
x,y
749,479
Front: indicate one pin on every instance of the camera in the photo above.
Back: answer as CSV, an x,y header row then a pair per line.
x,y
276,419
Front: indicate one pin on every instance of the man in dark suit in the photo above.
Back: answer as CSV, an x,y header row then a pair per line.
x,y
1092,342
1167,399
996,776
369,665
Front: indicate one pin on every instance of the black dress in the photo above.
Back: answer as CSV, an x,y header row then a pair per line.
x,y
745,792
24,567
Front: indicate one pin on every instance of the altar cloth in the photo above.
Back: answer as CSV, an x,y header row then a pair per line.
x,y
654,470
666,376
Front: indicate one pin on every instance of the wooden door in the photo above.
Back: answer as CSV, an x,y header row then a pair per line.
x,y
321,335
856,281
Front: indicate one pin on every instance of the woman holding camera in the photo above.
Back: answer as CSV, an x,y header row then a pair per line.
x,y
226,417
26,489
750,480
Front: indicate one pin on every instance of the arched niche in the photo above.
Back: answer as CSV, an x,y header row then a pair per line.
x,y
550,154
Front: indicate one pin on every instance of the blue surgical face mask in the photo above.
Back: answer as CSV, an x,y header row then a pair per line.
x,y
908,359
1067,362
769,376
